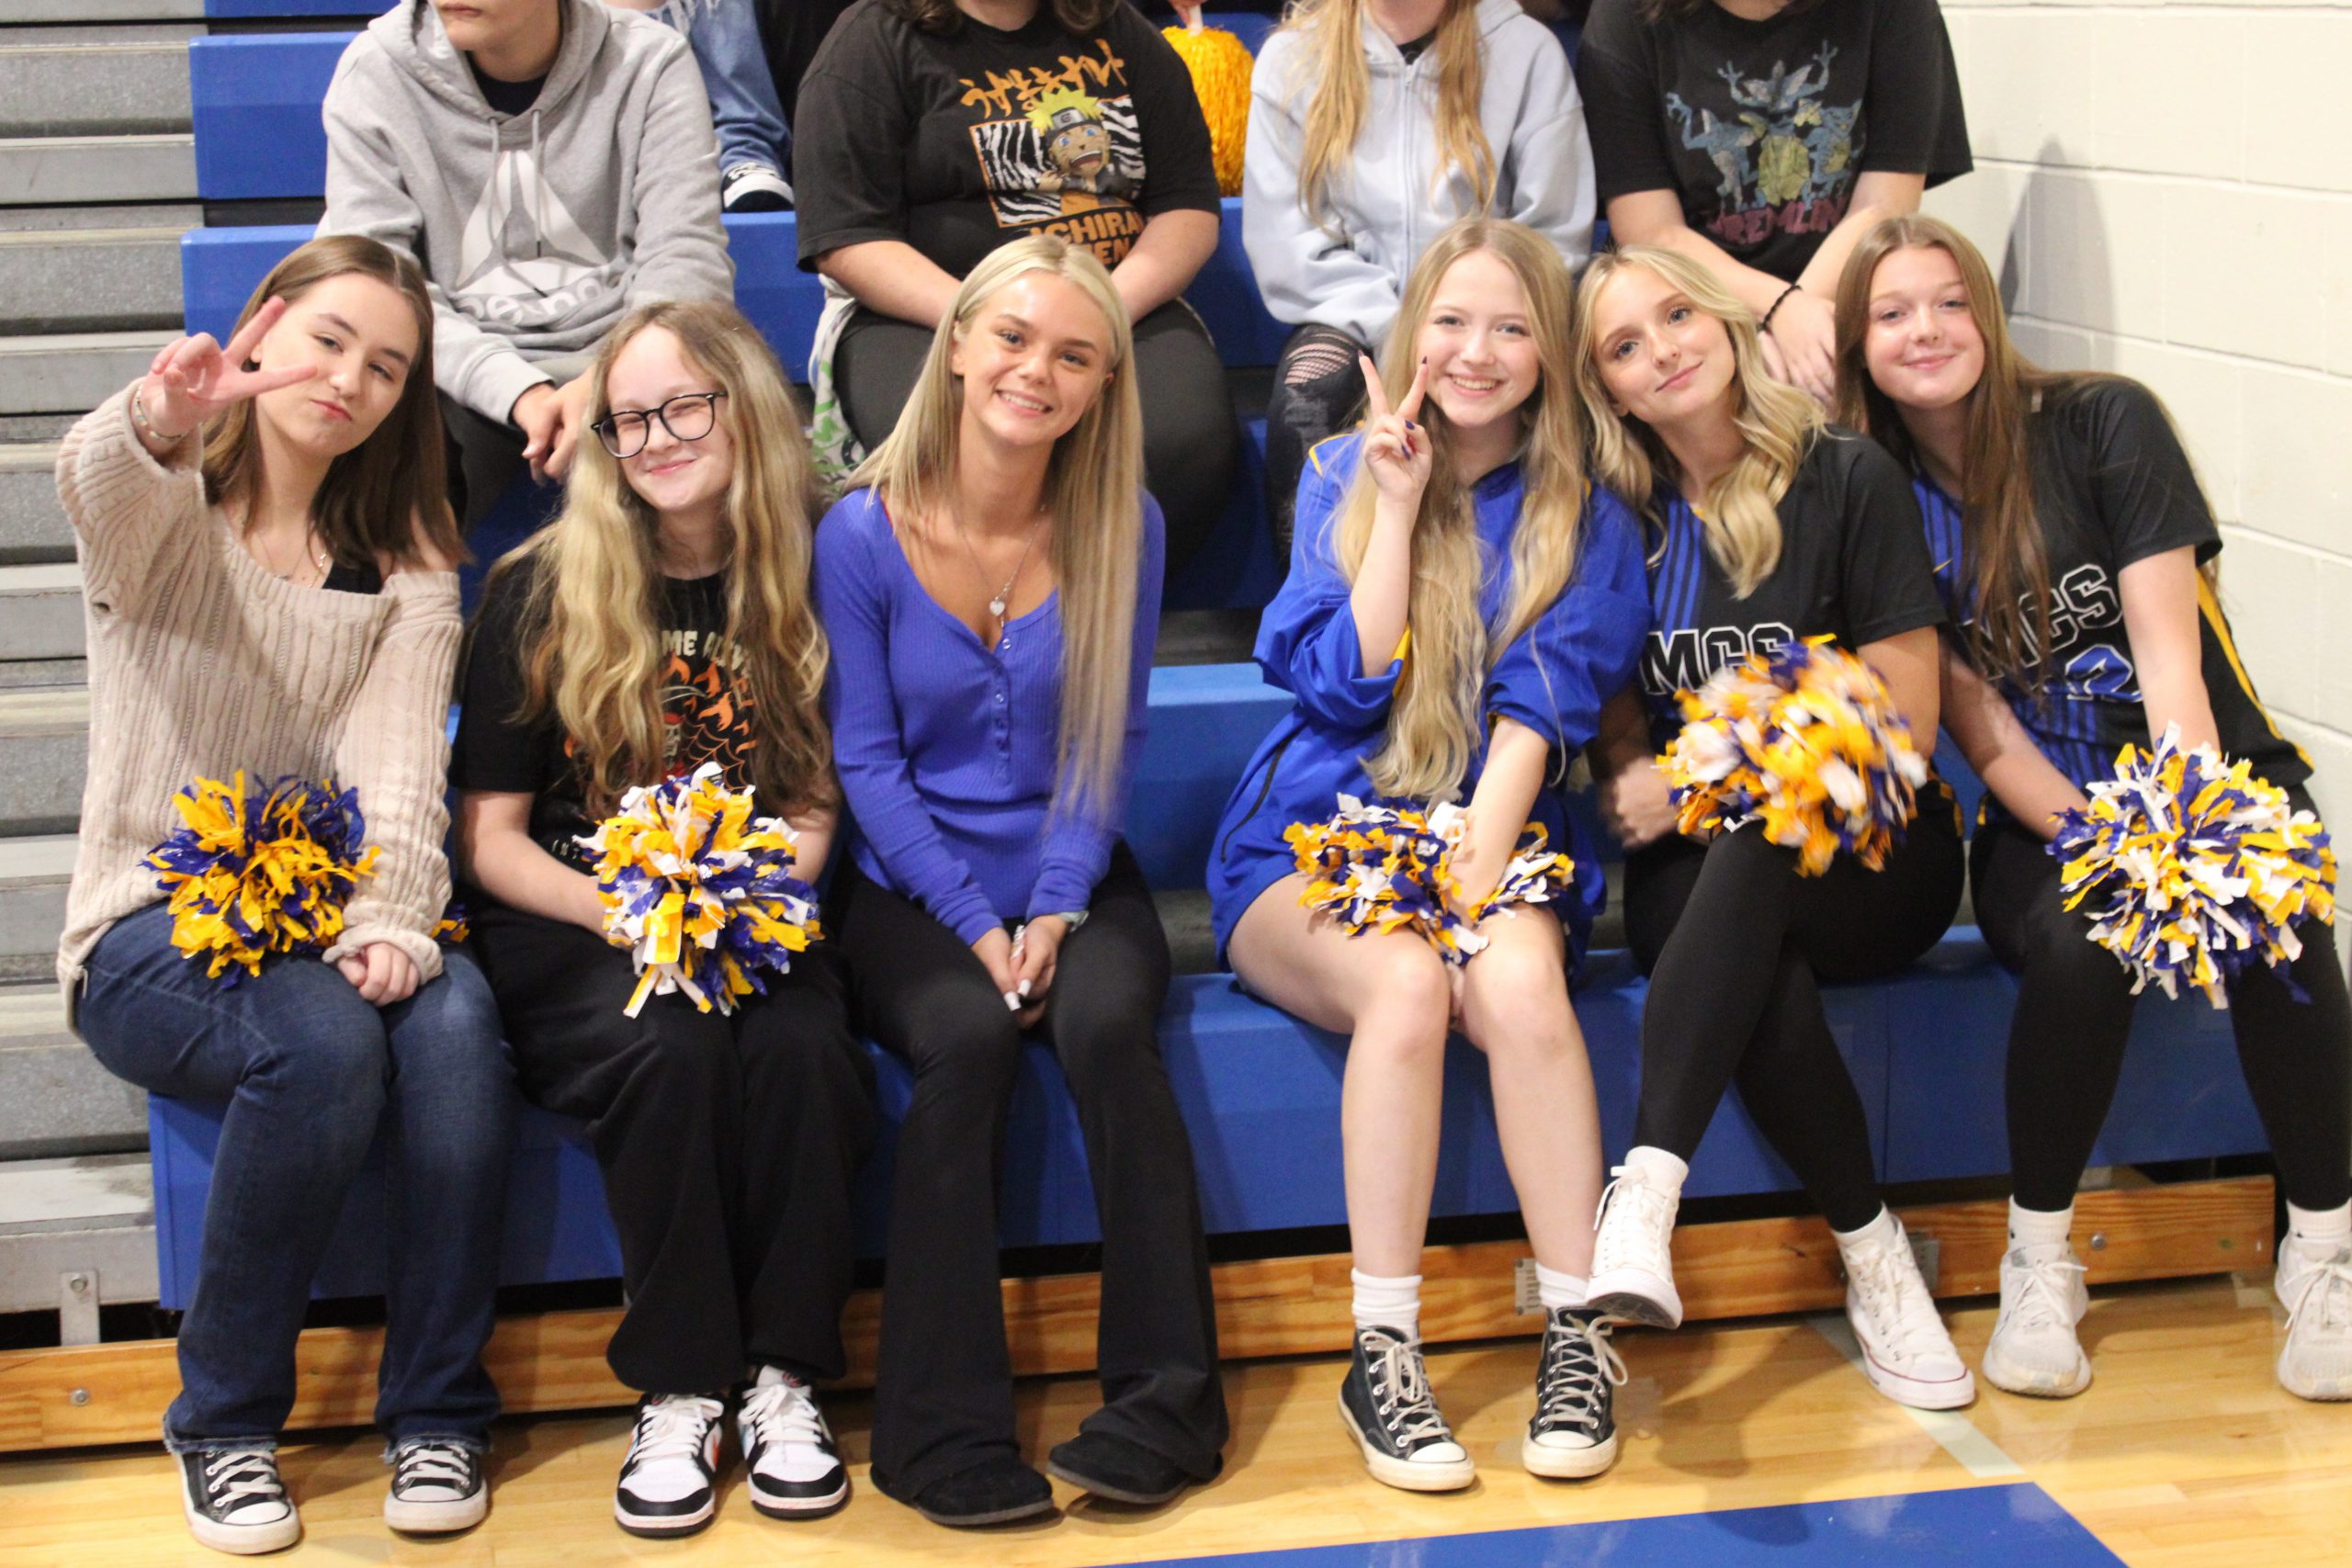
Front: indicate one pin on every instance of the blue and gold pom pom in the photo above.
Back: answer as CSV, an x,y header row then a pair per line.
x,y
700,891
1808,742
2193,869
253,872
1383,868
455,925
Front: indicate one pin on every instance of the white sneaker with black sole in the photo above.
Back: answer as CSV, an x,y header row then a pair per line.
x,y
235,1501
1632,1251
793,1469
2316,1289
437,1486
1387,1406
2033,1349
754,188
669,1482
1907,1352
1574,1432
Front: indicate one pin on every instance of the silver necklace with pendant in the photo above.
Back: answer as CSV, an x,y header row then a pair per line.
x,y
1003,596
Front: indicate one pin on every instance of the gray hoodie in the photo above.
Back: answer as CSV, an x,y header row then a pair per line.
x,y
538,230
1388,203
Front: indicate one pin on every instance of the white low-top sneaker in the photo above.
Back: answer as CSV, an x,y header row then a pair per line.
x,y
794,1470
437,1486
2316,1360
235,1501
1633,1252
669,1482
2033,1349
1906,1353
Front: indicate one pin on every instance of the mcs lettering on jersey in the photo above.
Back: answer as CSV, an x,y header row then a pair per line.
x,y
1681,659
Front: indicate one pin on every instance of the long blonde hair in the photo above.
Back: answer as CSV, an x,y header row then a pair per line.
x,y
1776,423
1336,85
591,628
1093,493
1433,721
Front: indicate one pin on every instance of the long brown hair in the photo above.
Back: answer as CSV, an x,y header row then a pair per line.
x,y
941,16
1336,85
386,500
591,628
1433,722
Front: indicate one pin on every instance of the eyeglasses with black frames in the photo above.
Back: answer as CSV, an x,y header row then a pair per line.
x,y
687,417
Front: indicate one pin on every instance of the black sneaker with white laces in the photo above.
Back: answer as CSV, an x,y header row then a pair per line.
x,y
437,1486
235,1501
1574,1433
1387,1406
669,1482
755,187
790,1465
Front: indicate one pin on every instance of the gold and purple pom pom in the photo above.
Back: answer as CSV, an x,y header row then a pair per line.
x,y
2194,870
700,891
455,925
1805,741
1383,869
257,871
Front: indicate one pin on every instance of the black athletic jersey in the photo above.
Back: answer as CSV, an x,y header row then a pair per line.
x,y
2112,486
1853,566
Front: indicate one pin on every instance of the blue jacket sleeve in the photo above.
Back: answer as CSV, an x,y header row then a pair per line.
x,y
1581,651
877,783
1077,851
1306,642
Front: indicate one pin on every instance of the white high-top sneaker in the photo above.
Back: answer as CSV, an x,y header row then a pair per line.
x,y
1633,1253
2033,1349
2316,1289
1906,1353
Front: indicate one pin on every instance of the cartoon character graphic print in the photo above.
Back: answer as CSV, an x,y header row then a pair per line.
x,y
1059,150
1784,157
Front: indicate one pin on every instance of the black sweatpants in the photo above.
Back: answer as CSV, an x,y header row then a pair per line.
x,y
943,1399
2074,1014
1318,386
1191,442
729,1144
1736,943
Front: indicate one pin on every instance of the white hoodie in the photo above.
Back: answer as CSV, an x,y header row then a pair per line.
x,y
1388,203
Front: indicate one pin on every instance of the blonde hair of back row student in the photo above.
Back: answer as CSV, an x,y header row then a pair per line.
x,y
1338,86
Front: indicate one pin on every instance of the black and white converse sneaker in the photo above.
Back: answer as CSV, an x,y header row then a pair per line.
x,y
1388,1407
669,1482
788,1454
235,1501
1574,1434
437,1486
755,187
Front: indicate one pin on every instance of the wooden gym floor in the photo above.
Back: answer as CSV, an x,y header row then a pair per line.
x,y
2184,1451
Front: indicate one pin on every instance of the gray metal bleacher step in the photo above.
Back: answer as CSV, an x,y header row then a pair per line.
x,y
92,1215
32,520
56,170
54,1097
117,87
33,874
44,755
90,280
72,372
40,611
74,13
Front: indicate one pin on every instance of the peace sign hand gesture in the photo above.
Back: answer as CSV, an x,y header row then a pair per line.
x,y
1394,448
193,378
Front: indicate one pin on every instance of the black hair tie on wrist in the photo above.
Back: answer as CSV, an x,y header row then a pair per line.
x,y
1766,324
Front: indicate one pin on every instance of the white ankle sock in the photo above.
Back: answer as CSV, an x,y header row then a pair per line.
x,y
1657,1168
2039,1227
1882,1230
1388,1303
1557,1290
2319,1232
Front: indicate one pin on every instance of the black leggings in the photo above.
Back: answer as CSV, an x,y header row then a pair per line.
x,y
2073,1013
943,1396
1317,384
1191,442
1735,942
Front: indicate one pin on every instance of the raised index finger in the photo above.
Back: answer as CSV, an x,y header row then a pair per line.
x,y
241,347
1376,400
1412,403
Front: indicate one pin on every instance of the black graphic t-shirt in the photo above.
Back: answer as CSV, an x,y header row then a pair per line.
x,y
957,142
706,705
1761,128
1853,566
2112,486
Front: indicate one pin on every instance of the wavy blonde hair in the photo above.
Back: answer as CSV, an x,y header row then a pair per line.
x,y
1336,85
591,628
1094,492
1433,721
1777,423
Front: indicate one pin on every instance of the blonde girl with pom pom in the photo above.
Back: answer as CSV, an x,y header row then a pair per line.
x,y
2077,548
1460,600
662,622
266,564
1766,527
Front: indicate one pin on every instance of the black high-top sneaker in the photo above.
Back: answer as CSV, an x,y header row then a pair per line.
x,y
1389,1410
1574,1434
234,1501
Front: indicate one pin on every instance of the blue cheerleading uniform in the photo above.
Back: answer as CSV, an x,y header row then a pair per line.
x,y
1553,678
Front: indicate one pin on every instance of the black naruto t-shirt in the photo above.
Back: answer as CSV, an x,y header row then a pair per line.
x,y
956,142
1853,566
1762,126
2112,486
705,709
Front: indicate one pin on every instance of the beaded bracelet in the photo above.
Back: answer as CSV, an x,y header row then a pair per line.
x,y
139,417
1766,324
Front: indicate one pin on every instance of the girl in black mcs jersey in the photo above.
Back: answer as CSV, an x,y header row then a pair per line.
x,y
1766,527
2077,548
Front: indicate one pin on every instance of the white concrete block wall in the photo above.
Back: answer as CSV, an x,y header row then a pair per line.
x,y
2157,186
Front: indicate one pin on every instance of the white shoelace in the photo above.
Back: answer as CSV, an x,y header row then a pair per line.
x,y
2046,1299
1636,1241
1569,1385
1400,1392
784,1413
430,1462
2331,1280
1905,1318
234,1477
674,1426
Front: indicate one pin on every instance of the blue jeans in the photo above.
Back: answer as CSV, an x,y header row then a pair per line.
x,y
309,1071
744,109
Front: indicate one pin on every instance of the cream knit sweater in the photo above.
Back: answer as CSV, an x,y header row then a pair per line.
x,y
203,664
